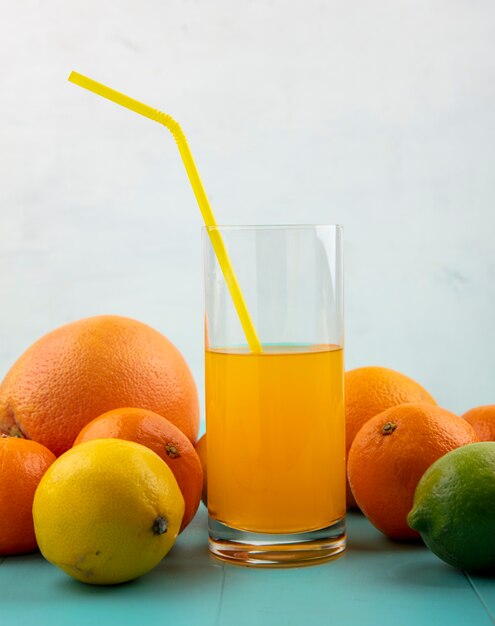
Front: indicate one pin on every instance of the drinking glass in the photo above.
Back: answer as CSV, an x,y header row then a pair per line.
x,y
275,419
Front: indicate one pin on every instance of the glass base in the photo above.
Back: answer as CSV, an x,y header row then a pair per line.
x,y
241,547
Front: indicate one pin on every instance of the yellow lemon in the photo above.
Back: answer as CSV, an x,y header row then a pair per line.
x,y
107,511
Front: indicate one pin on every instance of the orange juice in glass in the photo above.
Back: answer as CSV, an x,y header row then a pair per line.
x,y
275,418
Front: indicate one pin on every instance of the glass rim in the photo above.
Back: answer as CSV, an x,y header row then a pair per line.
x,y
270,226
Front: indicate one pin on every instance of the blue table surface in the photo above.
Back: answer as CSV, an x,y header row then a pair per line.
x,y
375,582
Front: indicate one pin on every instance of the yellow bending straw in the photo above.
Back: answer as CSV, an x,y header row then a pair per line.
x,y
199,192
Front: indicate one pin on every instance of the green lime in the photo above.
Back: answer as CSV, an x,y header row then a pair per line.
x,y
454,507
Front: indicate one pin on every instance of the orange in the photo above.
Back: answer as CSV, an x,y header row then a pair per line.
x,y
22,465
82,369
390,454
157,433
371,390
201,450
482,419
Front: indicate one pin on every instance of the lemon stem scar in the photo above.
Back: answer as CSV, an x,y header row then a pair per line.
x,y
389,428
159,526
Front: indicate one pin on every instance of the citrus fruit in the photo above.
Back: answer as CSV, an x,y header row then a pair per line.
x,y
391,452
107,511
201,450
82,369
371,390
482,419
454,507
22,464
157,433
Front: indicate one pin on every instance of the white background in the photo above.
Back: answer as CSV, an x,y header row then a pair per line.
x,y
376,114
